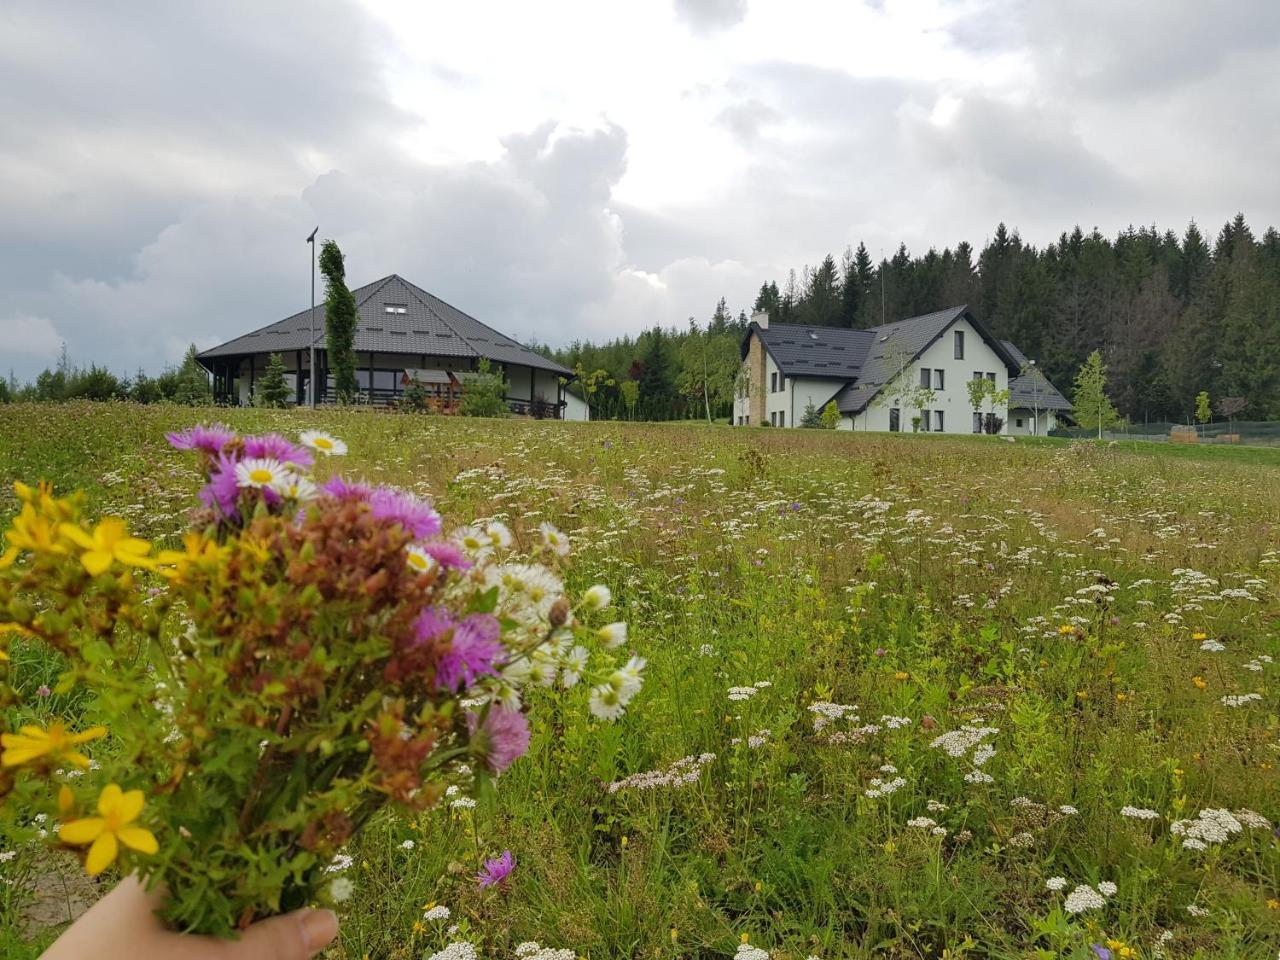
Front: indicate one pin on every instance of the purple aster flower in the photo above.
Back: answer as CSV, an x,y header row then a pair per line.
x,y
272,446
1102,953
504,736
341,489
447,554
418,517
472,652
222,492
496,871
207,439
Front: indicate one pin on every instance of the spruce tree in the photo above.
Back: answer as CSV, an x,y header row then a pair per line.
x,y
272,390
340,319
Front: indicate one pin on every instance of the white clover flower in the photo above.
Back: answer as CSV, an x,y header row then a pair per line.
x,y
1083,898
340,889
322,442
597,597
613,635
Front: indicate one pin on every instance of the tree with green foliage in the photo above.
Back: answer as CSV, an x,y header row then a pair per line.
x,y
340,319
811,419
6,395
191,384
630,390
1203,411
1091,406
656,375
272,390
830,416
484,392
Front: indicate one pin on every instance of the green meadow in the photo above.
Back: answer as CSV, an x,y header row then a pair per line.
x,y
906,697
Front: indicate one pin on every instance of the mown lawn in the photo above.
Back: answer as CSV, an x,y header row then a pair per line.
x,y
1037,605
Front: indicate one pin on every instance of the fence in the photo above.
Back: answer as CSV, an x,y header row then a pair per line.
x,y
1245,432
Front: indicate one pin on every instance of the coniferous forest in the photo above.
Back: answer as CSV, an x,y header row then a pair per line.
x,y
1172,315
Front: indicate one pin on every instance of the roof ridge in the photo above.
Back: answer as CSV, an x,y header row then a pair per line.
x,y
419,292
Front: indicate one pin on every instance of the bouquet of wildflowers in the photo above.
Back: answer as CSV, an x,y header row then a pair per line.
x,y
313,652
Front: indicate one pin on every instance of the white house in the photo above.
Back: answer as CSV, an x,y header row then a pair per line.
x,y
911,374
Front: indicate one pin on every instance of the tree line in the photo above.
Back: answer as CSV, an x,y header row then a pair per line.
x,y
187,383
1170,316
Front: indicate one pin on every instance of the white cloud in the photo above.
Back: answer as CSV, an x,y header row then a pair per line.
x,y
30,338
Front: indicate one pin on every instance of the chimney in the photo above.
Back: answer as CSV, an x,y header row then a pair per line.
x,y
761,319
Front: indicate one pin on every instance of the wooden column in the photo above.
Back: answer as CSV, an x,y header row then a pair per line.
x,y
297,380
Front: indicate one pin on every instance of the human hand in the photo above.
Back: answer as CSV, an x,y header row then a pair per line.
x,y
123,926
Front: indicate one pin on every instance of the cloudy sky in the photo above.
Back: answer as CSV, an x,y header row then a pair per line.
x,y
583,168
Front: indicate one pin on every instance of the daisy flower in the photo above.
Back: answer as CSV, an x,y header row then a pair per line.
x,y
261,473
606,703
324,443
556,541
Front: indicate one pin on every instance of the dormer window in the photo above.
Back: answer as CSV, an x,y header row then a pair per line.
x,y
395,308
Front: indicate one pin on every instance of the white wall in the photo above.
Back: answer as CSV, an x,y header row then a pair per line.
x,y
1048,421
575,407
953,398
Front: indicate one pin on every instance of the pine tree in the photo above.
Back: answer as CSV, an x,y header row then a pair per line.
x,y
1090,405
340,319
272,390
192,387
811,419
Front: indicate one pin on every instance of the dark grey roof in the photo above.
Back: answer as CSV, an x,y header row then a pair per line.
x,y
428,326
833,353
1032,389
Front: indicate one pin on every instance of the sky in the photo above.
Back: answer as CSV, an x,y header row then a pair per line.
x,y
582,169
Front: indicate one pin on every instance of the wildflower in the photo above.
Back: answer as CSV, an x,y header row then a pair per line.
x,y
1099,951
1199,682
1213,646
496,871
341,489
272,446
1240,700
109,541
575,662
32,743
597,598
606,702
1065,629
473,646
436,911
407,845
613,635
324,443
417,517
299,488
1107,888
553,539
503,739
902,675
1197,911
458,950
1199,636
419,559
208,439
1083,898
1056,883
117,810
260,473
1139,813
340,889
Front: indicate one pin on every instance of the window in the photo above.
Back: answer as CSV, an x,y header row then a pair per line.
x,y
895,420
991,377
1019,422
937,380
924,420
977,374
782,383
977,420
959,341
782,418
925,377
773,382
395,308
937,421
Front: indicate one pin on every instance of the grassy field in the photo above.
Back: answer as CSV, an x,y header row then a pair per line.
x,y
985,674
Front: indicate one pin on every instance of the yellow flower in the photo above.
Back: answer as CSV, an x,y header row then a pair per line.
x,y
1273,903
32,743
1199,682
106,832
1120,697
109,541
1082,694
1065,629
197,549
623,842
902,675
675,934
30,531
1199,636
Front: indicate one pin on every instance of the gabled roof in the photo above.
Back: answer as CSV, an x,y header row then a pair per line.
x,y
833,353
1032,389
428,326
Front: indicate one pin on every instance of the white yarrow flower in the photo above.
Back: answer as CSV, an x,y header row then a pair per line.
x,y
340,889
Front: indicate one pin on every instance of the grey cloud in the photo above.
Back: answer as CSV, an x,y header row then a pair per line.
x,y
708,16
746,119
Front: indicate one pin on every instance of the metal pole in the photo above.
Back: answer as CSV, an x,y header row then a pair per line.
x,y
311,362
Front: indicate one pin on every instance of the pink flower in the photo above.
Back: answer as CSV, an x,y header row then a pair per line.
x,y
473,647
341,489
496,871
222,492
272,446
447,554
417,517
504,738
207,439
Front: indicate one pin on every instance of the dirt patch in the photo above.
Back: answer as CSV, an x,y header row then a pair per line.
x,y
60,892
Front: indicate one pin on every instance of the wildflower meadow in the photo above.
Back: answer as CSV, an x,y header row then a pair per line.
x,y
621,690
